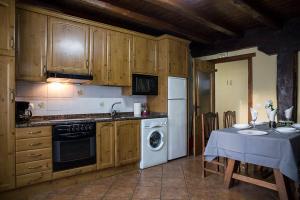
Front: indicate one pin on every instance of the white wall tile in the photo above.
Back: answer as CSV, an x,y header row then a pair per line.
x,y
49,99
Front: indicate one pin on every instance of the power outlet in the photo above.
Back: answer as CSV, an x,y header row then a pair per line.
x,y
41,105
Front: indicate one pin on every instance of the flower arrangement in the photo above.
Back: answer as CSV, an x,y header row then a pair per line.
x,y
269,105
271,111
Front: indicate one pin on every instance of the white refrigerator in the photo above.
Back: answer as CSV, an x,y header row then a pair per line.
x,y
177,117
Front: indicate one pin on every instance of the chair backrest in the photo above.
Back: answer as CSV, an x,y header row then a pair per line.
x,y
229,119
210,122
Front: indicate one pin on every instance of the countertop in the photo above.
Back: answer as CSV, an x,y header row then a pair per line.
x,y
64,119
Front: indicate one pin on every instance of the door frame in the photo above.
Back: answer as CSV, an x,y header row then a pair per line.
x,y
247,57
211,70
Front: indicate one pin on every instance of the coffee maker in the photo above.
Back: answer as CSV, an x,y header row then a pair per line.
x,y
23,112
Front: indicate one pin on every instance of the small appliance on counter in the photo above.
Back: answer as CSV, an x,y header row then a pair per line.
x,y
23,111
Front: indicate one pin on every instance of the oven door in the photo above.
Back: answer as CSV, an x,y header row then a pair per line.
x,y
144,85
74,153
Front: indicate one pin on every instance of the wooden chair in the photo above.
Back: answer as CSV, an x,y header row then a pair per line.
x,y
229,119
210,122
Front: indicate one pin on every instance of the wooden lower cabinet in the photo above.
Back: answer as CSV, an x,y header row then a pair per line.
x,y
118,144
32,178
35,166
105,145
127,142
33,155
7,123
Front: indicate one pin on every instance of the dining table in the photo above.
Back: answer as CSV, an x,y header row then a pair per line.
x,y
273,149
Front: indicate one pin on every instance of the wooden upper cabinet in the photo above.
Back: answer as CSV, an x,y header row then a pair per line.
x,y
145,55
98,55
120,58
31,46
105,145
7,27
127,142
68,43
7,123
178,58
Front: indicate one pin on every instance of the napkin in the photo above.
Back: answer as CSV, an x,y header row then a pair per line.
x,y
254,114
288,113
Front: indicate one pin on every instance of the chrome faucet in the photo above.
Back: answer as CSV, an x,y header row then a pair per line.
x,y
113,112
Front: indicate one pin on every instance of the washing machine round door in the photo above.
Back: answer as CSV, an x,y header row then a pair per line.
x,y
155,140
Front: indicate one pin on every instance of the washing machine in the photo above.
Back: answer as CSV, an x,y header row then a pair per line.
x,y
154,137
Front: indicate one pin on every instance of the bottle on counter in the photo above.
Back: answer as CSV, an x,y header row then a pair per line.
x,y
145,110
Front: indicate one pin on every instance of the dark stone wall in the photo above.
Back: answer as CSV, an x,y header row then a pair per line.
x,y
287,82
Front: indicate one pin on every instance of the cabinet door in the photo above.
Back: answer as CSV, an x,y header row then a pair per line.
x,y
7,27
31,46
7,123
105,145
145,55
67,46
127,142
178,58
120,58
98,55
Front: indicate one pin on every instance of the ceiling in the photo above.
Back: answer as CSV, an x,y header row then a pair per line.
x,y
201,21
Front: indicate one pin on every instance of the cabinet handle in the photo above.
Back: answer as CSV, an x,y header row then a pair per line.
x,y
87,64
35,144
35,132
12,43
35,167
12,95
44,70
35,155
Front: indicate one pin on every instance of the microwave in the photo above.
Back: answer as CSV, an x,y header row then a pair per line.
x,y
144,84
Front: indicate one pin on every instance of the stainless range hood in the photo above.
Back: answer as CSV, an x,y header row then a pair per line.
x,y
68,78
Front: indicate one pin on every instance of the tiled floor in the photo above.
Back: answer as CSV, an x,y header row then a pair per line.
x,y
179,179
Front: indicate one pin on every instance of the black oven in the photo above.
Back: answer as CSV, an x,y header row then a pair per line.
x,y
144,84
74,145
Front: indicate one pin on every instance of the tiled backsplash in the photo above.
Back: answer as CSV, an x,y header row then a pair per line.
x,y
58,98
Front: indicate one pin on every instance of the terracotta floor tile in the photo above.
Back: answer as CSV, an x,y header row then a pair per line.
x,y
79,197
147,193
120,192
179,179
104,181
150,182
173,182
94,190
174,193
60,197
152,172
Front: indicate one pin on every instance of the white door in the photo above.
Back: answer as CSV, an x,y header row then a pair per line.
x,y
177,88
177,134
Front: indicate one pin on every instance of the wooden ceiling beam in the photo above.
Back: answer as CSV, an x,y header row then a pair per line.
x,y
259,16
192,15
143,19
